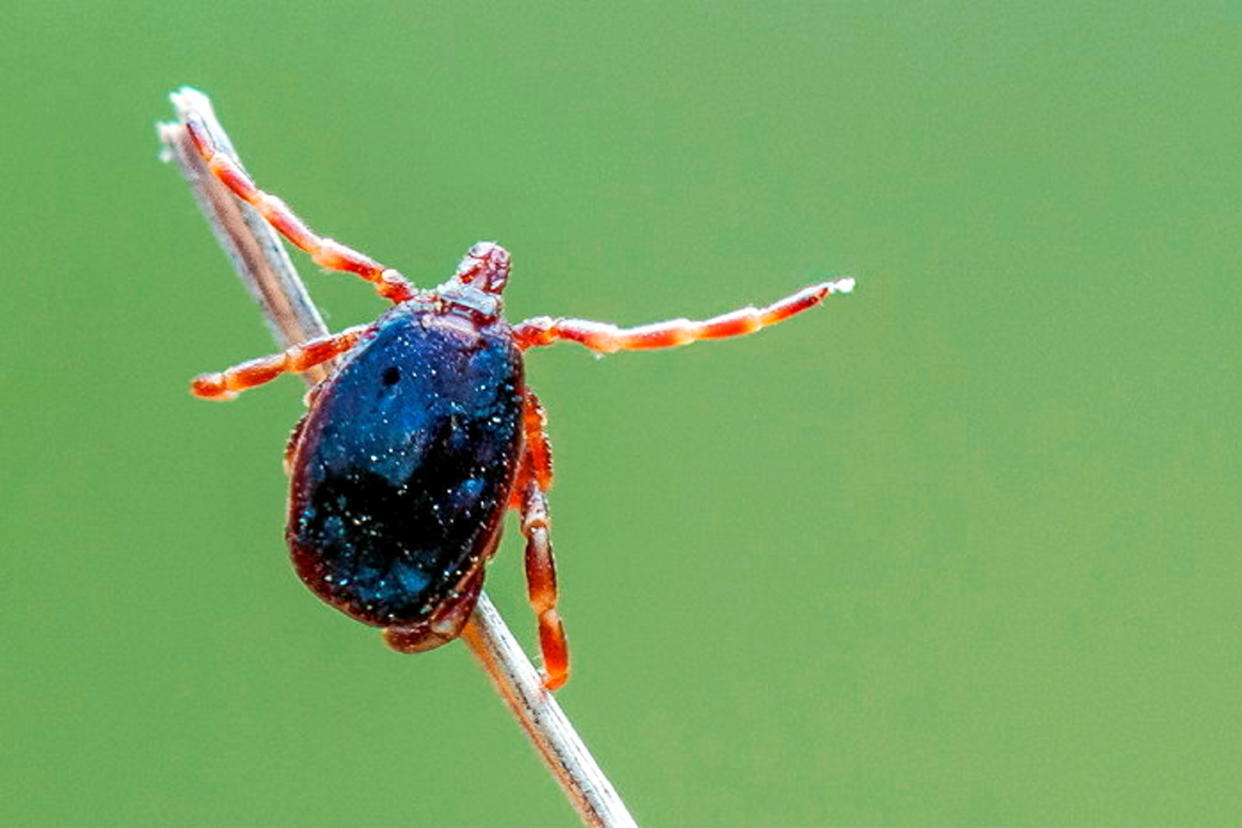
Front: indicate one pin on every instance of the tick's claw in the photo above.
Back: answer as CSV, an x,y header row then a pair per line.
x,y
211,387
552,683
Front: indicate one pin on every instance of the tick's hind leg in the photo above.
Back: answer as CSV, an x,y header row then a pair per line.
x,y
606,338
541,586
530,499
324,251
225,385
442,627
537,455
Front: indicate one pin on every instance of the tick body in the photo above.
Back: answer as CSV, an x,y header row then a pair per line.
x,y
403,468
413,450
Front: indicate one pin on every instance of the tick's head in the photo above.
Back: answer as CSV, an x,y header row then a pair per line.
x,y
479,280
486,267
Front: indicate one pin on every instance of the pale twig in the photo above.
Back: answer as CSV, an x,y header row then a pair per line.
x,y
265,268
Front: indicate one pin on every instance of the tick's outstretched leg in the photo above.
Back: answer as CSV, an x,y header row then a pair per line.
x,y
606,338
225,385
534,479
324,251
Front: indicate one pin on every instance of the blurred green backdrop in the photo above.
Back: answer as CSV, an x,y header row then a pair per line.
x,y
962,549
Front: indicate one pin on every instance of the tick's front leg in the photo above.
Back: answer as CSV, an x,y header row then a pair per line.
x,y
226,384
606,338
325,252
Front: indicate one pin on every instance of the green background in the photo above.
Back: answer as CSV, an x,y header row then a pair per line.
x,y
961,549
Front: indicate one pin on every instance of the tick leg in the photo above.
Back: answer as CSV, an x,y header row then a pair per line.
x,y
292,443
536,458
225,385
606,338
530,499
541,586
538,448
442,627
324,251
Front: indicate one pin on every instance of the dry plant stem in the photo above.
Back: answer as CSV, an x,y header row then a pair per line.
x,y
257,253
265,268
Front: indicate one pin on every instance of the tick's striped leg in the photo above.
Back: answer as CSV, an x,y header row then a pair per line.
x,y
534,480
291,444
324,252
536,459
541,586
225,385
606,338
538,448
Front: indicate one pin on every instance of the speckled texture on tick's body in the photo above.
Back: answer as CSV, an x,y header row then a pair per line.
x,y
405,464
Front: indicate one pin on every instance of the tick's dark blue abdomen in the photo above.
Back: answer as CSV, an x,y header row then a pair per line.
x,y
402,471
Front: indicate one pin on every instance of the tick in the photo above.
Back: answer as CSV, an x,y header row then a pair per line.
x,y
409,455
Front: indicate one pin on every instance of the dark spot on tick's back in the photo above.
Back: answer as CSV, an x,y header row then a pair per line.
x,y
391,375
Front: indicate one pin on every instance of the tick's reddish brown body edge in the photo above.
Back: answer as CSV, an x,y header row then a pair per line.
x,y
470,299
